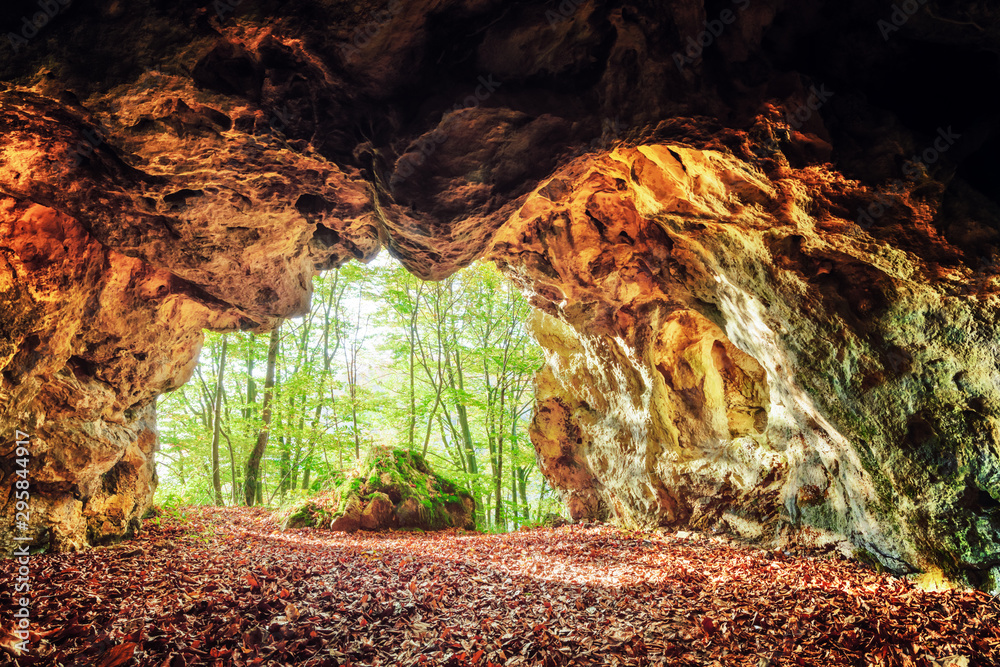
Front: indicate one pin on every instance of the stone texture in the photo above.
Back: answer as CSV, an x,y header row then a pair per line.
x,y
350,520
95,324
726,348
696,376
378,513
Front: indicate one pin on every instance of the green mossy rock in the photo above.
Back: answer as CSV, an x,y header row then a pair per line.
x,y
316,510
392,489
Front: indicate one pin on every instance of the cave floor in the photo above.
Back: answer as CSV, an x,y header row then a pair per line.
x,y
225,587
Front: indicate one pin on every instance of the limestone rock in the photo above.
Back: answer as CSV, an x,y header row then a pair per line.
x,y
671,325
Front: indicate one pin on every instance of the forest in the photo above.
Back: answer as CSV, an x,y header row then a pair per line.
x,y
382,359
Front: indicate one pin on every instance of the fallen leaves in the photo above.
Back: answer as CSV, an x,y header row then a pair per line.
x,y
118,655
228,589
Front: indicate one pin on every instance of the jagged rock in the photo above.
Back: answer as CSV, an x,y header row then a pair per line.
x,y
671,323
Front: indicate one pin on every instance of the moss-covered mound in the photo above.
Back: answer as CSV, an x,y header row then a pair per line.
x,y
391,489
315,510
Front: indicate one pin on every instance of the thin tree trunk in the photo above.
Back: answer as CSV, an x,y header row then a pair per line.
x,y
234,492
541,498
430,423
523,487
413,366
307,466
284,467
253,483
498,487
216,477
251,384
513,495
351,359
463,417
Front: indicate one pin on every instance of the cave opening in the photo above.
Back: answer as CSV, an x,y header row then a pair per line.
x,y
383,361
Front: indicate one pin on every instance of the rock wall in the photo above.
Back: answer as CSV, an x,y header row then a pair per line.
x,y
110,275
719,357
762,239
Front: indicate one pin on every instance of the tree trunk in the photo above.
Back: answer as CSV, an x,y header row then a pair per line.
x,y
251,385
522,484
234,492
307,466
513,495
253,482
463,417
541,498
217,423
498,486
285,466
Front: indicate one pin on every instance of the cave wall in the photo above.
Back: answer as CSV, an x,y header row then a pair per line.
x,y
112,274
758,316
719,358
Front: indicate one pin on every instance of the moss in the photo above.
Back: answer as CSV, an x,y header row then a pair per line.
x,y
862,555
316,510
402,476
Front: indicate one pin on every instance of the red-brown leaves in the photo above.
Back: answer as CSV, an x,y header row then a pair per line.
x,y
118,655
227,589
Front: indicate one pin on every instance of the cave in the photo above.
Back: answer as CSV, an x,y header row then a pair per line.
x,y
760,239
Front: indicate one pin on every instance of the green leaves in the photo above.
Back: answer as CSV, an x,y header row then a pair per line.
x,y
383,358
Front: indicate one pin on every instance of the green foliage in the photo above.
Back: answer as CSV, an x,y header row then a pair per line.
x,y
445,369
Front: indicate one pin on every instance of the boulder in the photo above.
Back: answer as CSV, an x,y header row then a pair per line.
x,y
391,489
349,520
378,513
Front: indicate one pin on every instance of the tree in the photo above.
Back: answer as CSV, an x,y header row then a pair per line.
x,y
217,424
253,485
444,368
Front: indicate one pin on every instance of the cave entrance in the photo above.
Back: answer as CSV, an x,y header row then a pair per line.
x,y
382,360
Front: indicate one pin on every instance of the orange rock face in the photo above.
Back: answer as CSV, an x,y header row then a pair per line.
x,y
695,377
